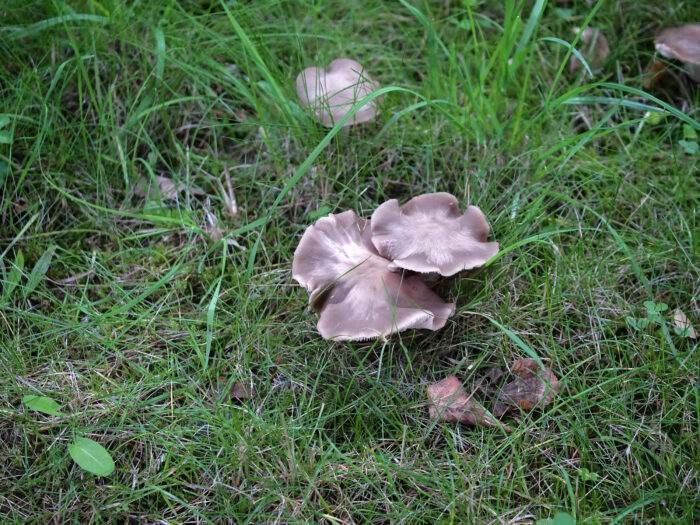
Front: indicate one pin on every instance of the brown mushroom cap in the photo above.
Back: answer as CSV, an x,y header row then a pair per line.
x,y
430,234
331,93
356,294
595,50
681,43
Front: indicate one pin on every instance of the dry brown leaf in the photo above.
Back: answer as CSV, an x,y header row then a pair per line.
x,y
167,188
594,48
241,391
682,322
532,388
449,402
654,75
237,391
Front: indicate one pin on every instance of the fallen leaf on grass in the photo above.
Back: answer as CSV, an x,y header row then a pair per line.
x,y
241,391
450,403
238,390
560,518
42,404
532,388
654,75
681,321
167,188
91,456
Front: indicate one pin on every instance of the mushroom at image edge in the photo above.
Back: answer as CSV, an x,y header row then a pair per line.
x,y
430,234
331,93
681,43
352,287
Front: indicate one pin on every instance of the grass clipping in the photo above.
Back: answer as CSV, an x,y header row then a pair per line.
x,y
531,388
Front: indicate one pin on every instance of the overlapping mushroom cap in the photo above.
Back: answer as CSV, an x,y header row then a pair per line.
x,y
682,43
353,288
331,93
430,234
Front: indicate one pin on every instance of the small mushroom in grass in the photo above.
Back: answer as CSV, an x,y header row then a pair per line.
x,y
681,43
595,50
430,234
331,93
357,295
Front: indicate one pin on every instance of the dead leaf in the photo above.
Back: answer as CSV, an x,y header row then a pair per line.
x,y
532,388
449,402
238,390
683,323
595,49
167,188
241,391
654,75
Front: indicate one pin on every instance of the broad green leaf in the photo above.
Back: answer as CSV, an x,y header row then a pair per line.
x,y
4,121
654,118
5,137
689,147
14,276
40,269
91,456
43,404
654,308
683,332
689,133
560,518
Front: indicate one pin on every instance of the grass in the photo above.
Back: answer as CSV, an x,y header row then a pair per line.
x,y
142,322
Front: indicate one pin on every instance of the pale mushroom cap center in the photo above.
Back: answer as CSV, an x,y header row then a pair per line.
x,y
368,295
349,253
431,236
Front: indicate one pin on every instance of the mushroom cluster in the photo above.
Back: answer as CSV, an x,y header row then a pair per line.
x,y
363,275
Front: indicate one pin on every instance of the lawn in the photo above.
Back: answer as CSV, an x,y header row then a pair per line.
x,y
157,173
